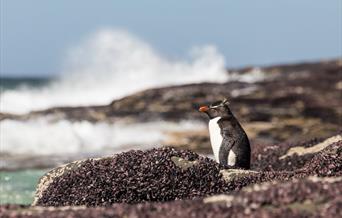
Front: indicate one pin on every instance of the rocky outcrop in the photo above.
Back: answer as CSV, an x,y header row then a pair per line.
x,y
289,157
200,186
309,197
162,174
166,174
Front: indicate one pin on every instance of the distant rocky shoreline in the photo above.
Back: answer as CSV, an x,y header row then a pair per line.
x,y
285,181
290,103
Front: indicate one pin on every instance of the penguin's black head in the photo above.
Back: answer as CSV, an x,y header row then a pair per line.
x,y
217,109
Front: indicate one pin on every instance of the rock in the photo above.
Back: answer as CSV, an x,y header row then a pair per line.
x,y
162,174
313,149
45,181
166,174
289,157
309,197
232,174
328,162
227,199
182,163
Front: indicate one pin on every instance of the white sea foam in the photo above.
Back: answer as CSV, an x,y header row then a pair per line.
x,y
41,137
254,75
111,64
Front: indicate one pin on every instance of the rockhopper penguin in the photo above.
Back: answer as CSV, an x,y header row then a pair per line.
x,y
229,141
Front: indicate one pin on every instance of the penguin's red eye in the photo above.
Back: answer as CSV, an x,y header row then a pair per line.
x,y
215,104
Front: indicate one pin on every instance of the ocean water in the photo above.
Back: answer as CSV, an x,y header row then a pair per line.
x,y
63,137
19,187
8,83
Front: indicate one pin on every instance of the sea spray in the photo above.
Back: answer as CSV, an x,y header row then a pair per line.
x,y
42,137
111,64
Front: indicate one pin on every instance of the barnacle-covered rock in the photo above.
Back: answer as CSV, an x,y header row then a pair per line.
x,y
161,174
308,197
165,174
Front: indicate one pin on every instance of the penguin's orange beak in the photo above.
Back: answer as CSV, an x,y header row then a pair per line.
x,y
203,109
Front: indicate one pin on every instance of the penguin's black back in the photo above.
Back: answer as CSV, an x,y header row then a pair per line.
x,y
235,137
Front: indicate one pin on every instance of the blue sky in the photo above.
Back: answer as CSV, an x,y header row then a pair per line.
x,y
36,34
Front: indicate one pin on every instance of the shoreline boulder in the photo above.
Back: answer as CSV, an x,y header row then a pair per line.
x,y
162,174
308,197
167,174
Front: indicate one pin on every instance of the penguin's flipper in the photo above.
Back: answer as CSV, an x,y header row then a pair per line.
x,y
226,146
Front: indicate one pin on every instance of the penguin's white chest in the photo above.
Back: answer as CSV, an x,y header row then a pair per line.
x,y
216,141
215,137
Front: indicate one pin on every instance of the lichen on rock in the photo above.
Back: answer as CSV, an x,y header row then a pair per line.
x,y
300,150
231,174
182,163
